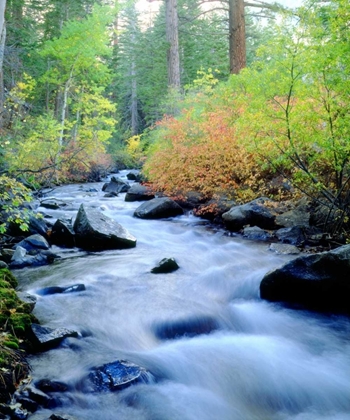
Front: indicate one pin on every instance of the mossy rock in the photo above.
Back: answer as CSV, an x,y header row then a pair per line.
x,y
7,276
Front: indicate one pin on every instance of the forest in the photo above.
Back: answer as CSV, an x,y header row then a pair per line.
x,y
232,98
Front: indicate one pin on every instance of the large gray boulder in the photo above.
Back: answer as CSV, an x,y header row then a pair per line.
x,y
318,282
158,208
116,185
96,231
139,192
255,213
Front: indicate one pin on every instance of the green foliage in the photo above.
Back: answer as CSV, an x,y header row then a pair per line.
x,y
13,195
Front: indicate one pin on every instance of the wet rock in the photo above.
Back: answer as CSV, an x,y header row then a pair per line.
x,y
57,289
185,327
117,375
45,338
166,265
28,404
36,225
3,264
256,234
111,195
46,385
52,204
34,242
284,249
292,235
158,208
292,218
28,299
63,234
22,259
7,254
139,192
96,231
61,417
116,185
254,213
134,176
214,209
39,396
317,282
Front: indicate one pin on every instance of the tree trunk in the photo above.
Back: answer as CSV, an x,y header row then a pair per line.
x,y
2,49
172,37
237,36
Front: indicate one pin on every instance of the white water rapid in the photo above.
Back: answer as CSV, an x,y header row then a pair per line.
x,y
264,362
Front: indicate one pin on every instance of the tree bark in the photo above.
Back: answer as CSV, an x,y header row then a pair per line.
x,y
2,50
172,37
237,34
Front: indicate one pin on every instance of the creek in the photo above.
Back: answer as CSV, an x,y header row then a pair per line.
x,y
264,361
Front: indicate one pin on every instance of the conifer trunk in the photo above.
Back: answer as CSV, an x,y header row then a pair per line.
x,y
237,36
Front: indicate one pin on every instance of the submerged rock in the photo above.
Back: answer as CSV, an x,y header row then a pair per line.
x,y
45,338
185,327
96,231
52,290
158,208
118,375
166,265
318,282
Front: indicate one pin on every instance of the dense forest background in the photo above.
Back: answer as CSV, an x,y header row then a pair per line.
x,y
226,97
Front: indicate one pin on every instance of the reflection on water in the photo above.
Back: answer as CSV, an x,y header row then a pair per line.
x,y
260,362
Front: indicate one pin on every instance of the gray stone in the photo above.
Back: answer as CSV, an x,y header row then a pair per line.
x,y
292,235
28,299
44,338
3,264
256,234
318,282
116,185
96,231
158,208
254,213
293,218
139,192
166,265
284,249
34,242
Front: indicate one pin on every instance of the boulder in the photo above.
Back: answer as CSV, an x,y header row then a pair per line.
x,y
292,235
166,265
284,249
189,327
254,213
134,176
52,203
36,224
34,242
45,338
47,385
117,375
255,233
52,290
116,185
158,208
63,234
139,192
293,217
22,259
214,208
96,231
318,282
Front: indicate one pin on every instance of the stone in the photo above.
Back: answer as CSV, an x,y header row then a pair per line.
x,y
292,235
34,242
52,204
166,265
51,290
28,299
134,176
158,208
45,338
284,249
117,375
3,264
319,282
61,417
22,259
96,231
46,385
254,213
116,185
214,209
293,218
256,234
63,234
139,192
39,396
190,327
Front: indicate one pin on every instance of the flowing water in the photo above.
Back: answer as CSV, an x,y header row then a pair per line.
x,y
264,362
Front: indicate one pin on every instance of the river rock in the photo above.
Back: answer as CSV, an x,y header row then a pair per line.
x,y
116,185
254,213
190,327
3,264
96,231
284,249
21,258
166,265
63,234
158,208
134,176
52,204
139,192
36,225
34,242
52,290
28,299
45,338
318,282
293,217
47,385
61,417
214,208
292,235
255,233
117,375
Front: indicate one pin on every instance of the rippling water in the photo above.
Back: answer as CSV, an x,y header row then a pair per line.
x,y
264,362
